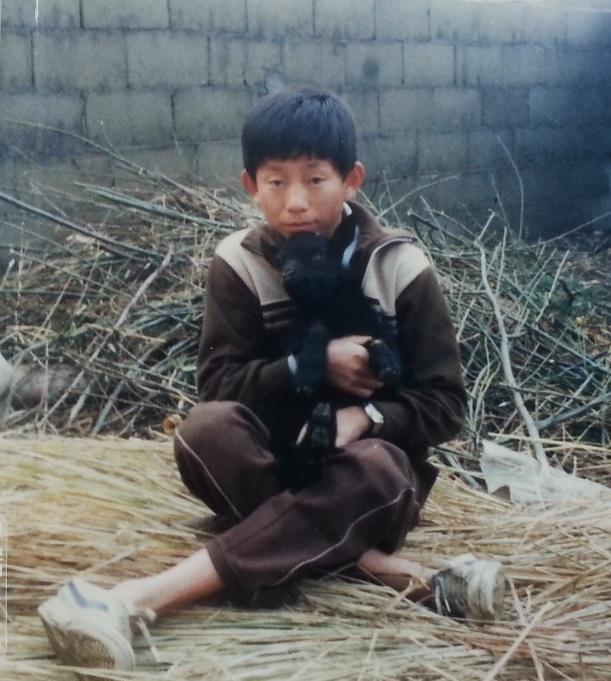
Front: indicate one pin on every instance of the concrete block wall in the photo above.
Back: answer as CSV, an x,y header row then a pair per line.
x,y
435,84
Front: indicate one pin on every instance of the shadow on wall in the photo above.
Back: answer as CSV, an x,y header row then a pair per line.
x,y
555,125
568,181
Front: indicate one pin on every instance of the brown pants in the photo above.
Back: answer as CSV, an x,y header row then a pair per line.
x,y
369,497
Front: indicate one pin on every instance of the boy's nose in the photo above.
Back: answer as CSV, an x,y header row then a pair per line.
x,y
296,199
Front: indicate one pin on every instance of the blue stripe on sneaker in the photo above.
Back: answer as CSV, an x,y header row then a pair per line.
x,y
85,602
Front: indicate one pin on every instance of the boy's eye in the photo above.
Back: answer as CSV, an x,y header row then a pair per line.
x,y
274,182
317,180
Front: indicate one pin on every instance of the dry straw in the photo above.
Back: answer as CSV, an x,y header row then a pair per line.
x,y
109,509
119,301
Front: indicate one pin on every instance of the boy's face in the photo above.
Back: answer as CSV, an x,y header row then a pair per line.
x,y
303,194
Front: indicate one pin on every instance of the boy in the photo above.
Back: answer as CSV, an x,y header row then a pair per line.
x,y
301,168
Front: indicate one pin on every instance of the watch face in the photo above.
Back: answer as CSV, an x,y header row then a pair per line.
x,y
374,414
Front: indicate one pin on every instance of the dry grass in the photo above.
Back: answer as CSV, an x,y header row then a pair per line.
x,y
119,302
111,508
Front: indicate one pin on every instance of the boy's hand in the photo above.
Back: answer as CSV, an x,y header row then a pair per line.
x,y
352,423
348,366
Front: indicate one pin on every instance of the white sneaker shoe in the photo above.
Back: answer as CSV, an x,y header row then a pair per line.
x,y
90,627
471,588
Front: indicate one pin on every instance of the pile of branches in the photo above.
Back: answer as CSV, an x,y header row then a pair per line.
x,y
118,303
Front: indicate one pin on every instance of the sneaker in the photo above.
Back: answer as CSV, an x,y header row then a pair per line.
x,y
470,588
90,627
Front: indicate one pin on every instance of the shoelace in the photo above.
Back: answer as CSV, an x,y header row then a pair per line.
x,y
140,618
442,605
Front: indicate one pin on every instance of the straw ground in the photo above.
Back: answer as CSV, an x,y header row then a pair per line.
x,y
110,508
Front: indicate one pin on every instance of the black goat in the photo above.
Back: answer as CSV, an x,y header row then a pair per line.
x,y
330,304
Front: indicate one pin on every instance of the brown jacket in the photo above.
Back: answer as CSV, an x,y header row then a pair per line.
x,y
248,314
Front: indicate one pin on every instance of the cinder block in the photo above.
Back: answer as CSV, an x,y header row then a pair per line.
x,y
478,66
597,106
263,59
442,152
396,155
576,66
558,196
343,19
219,163
64,112
275,80
553,106
176,161
236,62
465,196
374,65
408,193
454,20
589,27
318,63
505,107
37,236
588,178
402,20
7,184
365,105
215,16
61,111
568,106
502,22
541,146
79,60
51,13
227,60
545,25
455,108
15,61
406,109
167,59
211,113
524,64
129,14
486,149
280,18
130,117
57,179
428,64
64,175
561,66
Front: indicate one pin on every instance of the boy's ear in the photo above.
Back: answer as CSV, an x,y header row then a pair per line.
x,y
354,179
248,183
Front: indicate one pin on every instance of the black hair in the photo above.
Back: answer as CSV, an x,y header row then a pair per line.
x,y
294,123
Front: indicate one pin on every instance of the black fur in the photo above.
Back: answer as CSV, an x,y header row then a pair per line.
x,y
302,464
330,304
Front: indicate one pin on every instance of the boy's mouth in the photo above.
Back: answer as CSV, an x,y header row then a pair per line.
x,y
300,226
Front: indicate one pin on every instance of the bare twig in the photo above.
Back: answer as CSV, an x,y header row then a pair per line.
x,y
507,369
110,245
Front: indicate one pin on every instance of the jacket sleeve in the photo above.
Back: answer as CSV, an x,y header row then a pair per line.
x,y
431,408
232,362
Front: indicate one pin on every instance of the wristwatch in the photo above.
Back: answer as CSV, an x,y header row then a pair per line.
x,y
376,418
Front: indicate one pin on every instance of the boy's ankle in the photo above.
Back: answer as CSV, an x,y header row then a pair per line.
x,y
136,594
